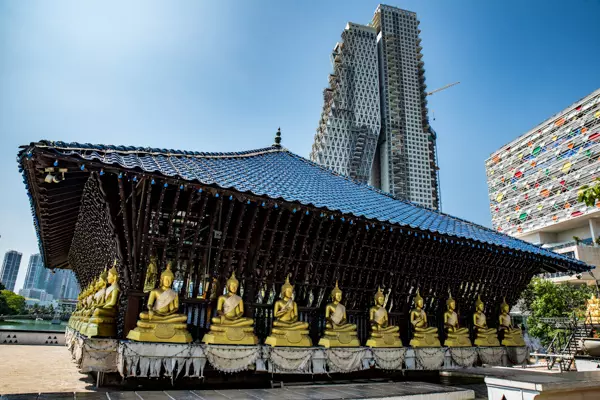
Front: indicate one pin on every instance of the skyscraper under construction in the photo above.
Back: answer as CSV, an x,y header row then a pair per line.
x,y
404,160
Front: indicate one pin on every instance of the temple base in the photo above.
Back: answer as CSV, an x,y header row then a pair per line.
x,y
387,340
490,341
231,335
162,333
289,339
426,341
342,339
459,341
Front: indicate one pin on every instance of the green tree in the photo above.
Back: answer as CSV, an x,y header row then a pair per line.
x,y
544,299
589,194
16,303
2,287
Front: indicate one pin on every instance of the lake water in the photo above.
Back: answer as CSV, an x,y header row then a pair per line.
x,y
31,325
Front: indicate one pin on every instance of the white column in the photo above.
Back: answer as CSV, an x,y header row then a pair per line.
x,y
592,224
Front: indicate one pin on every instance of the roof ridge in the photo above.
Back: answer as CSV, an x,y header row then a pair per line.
x,y
122,149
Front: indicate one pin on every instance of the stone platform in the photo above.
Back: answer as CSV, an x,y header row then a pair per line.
x,y
397,390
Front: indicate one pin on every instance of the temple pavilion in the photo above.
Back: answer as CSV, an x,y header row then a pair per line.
x,y
263,214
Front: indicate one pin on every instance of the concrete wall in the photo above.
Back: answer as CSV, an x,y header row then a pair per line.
x,y
29,337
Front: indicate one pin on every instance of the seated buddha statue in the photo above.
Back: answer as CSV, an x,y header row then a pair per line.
x,y
87,304
338,333
102,322
512,336
230,326
484,336
382,333
97,300
423,334
287,330
455,335
78,307
162,323
593,310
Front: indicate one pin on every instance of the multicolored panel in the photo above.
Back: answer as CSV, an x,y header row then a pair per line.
x,y
533,181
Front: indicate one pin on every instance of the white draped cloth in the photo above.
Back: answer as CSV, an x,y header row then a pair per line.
x,y
99,355
491,355
430,358
389,358
517,355
289,359
228,358
463,356
346,359
138,359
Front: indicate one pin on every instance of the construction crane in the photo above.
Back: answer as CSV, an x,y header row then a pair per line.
x,y
442,88
434,136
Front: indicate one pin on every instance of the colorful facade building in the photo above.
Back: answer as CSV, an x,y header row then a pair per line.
x,y
533,182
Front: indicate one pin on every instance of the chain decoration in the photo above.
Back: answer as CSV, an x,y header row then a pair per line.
x,y
389,359
491,355
430,358
463,356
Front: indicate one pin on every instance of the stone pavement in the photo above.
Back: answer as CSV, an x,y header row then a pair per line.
x,y
26,369
396,390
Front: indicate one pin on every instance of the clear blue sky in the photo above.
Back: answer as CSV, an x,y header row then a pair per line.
x,y
223,75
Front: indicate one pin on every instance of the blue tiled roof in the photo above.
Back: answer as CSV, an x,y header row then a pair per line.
x,y
279,174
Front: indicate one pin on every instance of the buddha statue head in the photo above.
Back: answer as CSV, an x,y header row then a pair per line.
x,y
504,307
287,290
379,297
113,275
232,284
479,306
167,277
450,303
336,293
419,300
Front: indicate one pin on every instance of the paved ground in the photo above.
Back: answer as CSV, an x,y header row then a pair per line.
x,y
26,369
398,390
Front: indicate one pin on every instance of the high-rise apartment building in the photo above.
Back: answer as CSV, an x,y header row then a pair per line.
x,y
62,284
403,162
406,149
346,138
533,182
34,270
10,269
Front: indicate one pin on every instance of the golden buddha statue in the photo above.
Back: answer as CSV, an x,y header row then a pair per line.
x,y
97,300
78,308
455,335
151,272
102,322
338,333
593,310
162,323
230,326
512,336
484,336
423,334
382,334
87,304
287,330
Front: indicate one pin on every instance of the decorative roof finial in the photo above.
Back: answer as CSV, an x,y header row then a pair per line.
x,y
277,138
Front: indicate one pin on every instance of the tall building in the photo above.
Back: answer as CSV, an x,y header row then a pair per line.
x,y
34,270
10,269
382,60
62,284
346,138
533,183
406,149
